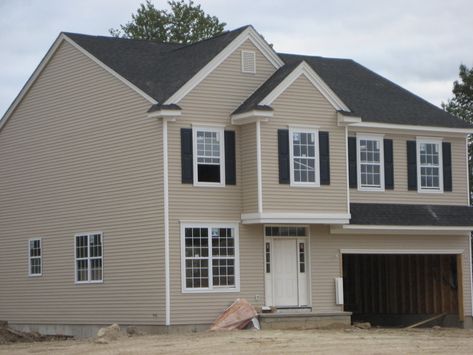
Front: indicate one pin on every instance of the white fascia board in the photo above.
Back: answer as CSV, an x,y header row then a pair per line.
x,y
347,120
248,34
412,127
401,230
401,251
300,218
172,114
251,117
305,69
111,71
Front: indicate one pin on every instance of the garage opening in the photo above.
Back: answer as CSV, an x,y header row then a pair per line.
x,y
400,289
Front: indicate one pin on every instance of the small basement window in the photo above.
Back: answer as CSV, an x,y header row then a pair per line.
x,y
208,156
35,263
248,62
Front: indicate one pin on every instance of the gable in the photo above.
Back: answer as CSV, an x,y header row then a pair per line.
x,y
227,86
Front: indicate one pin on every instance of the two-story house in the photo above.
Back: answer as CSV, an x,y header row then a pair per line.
x,y
153,184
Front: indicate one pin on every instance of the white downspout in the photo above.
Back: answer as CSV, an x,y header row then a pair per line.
x,y
166,223
258,166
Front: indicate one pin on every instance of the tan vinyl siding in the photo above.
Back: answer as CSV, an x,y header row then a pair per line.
x,y
249,168
400,194
79,155
326,259
303,104
212,102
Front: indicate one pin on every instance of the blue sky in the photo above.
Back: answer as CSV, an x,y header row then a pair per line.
x,y
417,44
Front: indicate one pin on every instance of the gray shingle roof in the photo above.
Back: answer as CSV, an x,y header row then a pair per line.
x,y
411,215
159,69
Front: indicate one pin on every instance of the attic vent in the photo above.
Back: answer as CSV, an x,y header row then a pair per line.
x,y
248,62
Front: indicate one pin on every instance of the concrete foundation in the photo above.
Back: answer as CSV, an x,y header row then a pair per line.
x,y
304,320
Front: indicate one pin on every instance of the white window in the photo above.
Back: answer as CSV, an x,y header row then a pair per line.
x,y
35,264
89,257
370,162
210,259
209,168
248,62
304,152
429,165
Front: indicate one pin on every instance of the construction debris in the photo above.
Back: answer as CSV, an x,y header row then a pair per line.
x,y
362,325
107,334
238,316
9,335
437,316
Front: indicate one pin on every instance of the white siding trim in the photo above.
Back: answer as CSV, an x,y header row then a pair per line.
x,y
306,70
167,276
234,226
470,268
402,251
258,167
444,130
468,197
294,217
398,230
347,169
248,34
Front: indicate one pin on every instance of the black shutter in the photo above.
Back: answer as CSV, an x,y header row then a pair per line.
x,y
283,151
447,166
230,164
324,158
186,156
411,166
388,164
352,162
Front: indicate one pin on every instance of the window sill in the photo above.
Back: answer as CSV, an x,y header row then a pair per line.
x,y
208,184
301,184
430,191
215,290
88,282
35,275
371,189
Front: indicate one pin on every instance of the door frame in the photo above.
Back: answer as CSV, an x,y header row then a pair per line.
x,y
269,277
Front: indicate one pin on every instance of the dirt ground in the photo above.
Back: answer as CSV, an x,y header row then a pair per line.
x,y
345,341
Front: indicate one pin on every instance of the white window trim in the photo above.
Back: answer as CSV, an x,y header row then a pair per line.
x,y
243,52
89,281
316,183
210,289
372,137
40,257
438,141
221,132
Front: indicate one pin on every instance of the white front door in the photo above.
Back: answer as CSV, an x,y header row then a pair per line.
x,y
285,272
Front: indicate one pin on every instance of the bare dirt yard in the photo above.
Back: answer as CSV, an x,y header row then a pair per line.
x,y
340,341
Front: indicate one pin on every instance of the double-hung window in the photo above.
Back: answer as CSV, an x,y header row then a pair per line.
x,y
370,162
35,264
209,156
304,153
89,257
209,258
429,165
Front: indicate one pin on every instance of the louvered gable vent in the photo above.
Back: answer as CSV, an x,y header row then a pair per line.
x,y
248,62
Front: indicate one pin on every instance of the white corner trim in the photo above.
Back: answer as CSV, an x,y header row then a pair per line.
x,y
347,172
173,114
167,276
248,34
258,167
294,217
467,181
251,117
306,70
405,127
110,70
401,251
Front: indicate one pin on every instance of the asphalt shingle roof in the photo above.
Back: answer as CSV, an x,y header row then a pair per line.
x,y
411,215
160,69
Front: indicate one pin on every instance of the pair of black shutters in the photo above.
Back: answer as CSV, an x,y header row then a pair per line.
x,y
284,158
411,164
187,162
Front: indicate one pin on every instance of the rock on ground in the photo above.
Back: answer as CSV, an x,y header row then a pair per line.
x,y
107,334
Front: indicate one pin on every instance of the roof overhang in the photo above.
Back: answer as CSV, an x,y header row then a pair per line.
x,y
347,118
165,111
251,117
290,217
405,127
399,230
